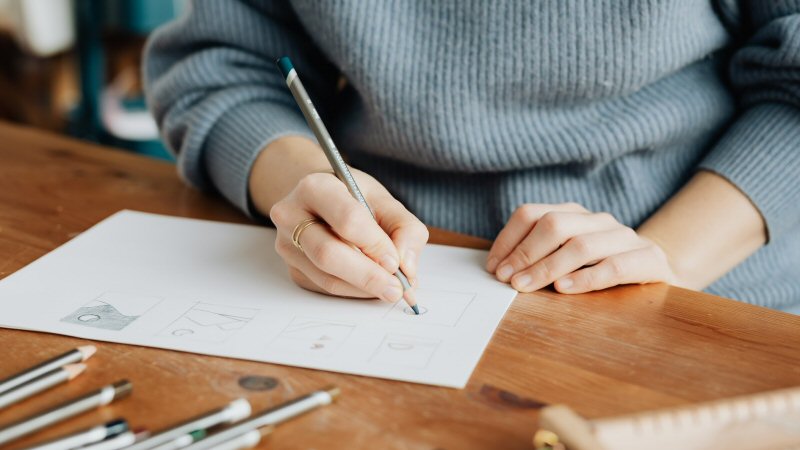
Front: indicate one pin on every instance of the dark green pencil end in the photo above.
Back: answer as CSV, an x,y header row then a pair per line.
x,y
285,65
416,309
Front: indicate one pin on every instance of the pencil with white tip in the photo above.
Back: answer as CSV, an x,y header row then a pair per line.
x,y
77,355
42,383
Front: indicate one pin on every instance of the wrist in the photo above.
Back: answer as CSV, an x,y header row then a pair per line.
x,y
676,276
280,166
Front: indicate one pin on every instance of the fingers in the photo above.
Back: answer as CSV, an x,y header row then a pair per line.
x,y
326,197
577,252
550,232
519,226
408,234
642,265
308,276
332,256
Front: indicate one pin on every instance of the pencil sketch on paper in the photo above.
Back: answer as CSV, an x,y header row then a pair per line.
x,y
408,351
437,307
312,336
209,322
112,310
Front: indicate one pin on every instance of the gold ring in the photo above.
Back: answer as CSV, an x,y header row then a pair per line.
x,y
298,230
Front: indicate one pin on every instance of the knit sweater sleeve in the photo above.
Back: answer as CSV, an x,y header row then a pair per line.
x,y
760,152
216,94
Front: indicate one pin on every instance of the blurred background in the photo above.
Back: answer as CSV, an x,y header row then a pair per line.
x,y
74,67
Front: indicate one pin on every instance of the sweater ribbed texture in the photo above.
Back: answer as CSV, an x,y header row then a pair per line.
x,y
466,109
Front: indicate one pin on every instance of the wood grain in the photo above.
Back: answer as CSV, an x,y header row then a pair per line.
x,y
617,351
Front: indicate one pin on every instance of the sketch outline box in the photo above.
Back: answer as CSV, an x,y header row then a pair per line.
x,y
407,351
112,310
312,335
210,322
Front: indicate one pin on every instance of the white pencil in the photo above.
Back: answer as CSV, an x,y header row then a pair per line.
x,y
272,416
121,441
80,354
247,440
44,382
233,412
83,437
64,411
182,441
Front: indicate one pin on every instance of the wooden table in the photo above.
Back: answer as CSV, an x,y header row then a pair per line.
x,y
617,351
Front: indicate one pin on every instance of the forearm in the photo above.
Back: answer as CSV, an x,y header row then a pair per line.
x,y
706,229
280,166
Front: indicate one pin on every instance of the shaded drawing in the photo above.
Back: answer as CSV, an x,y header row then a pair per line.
x,y
317,336
408,351
210,322
112,310
443,308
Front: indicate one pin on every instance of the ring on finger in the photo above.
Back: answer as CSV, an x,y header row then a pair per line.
x,y
298,231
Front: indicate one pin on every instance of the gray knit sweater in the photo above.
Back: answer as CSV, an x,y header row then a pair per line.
x,y
466,109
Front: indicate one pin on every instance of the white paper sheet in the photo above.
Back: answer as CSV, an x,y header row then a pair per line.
x,y
220,289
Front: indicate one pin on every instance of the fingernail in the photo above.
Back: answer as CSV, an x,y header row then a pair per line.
x,y
393,293
389,262
490,265
522,282
410,261
565,283
505,272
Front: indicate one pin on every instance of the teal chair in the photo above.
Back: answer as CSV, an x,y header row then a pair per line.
x,y
103,115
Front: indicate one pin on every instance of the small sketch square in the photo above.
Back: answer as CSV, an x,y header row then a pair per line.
x,y
313,336
443,308
112,310
209,322
408,351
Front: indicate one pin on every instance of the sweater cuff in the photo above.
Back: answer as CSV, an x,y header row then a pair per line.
x,y
236,140
760,154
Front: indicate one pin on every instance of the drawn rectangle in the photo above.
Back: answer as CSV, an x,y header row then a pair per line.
x,y
437,307
112,310
209,322
312,336
407,351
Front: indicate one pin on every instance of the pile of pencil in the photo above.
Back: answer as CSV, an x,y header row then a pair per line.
x,y
230,427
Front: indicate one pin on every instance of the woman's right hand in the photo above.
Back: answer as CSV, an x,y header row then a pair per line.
x,y
348,254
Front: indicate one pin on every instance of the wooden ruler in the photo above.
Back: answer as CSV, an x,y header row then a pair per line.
x,y
768,421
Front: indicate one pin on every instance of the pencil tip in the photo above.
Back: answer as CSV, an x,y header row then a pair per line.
x,y
333,391
416,309
73,370
87,351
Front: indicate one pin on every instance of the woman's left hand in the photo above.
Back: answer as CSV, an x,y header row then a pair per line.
x,y
576,249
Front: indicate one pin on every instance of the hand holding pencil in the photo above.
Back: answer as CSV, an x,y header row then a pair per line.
x,y
340,233
347,253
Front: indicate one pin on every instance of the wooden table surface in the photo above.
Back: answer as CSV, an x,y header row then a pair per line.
x,y
617,351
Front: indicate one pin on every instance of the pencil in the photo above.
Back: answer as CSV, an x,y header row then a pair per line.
x,y
272,416
332,153
77,355
70,408
183,440
86,436
123,440
233,412
246,440
42,383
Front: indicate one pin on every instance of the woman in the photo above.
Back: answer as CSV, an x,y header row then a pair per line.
x,y
600,143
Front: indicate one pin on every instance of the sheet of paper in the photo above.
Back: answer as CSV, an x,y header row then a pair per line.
x,y
220,289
